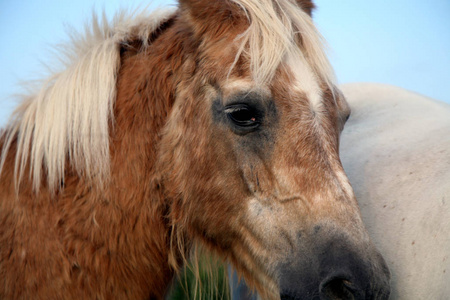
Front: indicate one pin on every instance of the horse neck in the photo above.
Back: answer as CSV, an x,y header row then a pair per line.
x,y
145,93
127,219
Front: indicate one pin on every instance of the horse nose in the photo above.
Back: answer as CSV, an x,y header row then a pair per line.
x,y
337,269
340,287
346,273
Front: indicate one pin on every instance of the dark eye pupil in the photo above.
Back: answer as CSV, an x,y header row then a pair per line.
x,y
242,115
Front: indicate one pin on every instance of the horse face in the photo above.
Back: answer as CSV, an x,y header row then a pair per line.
x,y
259,180
253,173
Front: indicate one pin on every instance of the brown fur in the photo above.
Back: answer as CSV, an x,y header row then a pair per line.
x,y
307,5
177,179
85,243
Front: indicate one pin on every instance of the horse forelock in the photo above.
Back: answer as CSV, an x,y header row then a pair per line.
x,y
263,33
70,116
277,30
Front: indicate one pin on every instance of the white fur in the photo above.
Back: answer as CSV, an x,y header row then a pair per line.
x,y
70,116
396,152
305,81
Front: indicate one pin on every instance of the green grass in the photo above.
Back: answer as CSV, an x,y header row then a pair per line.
x,y
213,283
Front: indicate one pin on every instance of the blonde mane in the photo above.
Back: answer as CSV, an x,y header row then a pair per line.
x,y
279,29
70,115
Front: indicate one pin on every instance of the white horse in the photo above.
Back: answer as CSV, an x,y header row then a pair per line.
x,y
395,149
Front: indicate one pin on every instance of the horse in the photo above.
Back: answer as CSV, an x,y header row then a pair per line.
x,y
395,151
400,172
213,126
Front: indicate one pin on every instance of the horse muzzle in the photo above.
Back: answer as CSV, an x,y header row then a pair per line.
x,y
335,269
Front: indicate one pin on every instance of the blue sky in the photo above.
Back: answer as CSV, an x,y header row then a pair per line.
x,y
401,42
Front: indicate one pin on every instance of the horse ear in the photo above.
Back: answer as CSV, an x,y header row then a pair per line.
x,y
204,10
307,5
212,16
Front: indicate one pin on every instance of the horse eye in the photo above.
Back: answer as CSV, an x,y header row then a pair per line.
x,y
242,115
346,117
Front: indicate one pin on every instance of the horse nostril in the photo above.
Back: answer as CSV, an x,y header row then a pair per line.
x,y
337,288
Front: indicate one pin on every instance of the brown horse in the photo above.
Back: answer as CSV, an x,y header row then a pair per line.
x,y
216,125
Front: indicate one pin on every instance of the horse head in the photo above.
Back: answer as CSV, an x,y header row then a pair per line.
x,y
249,154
